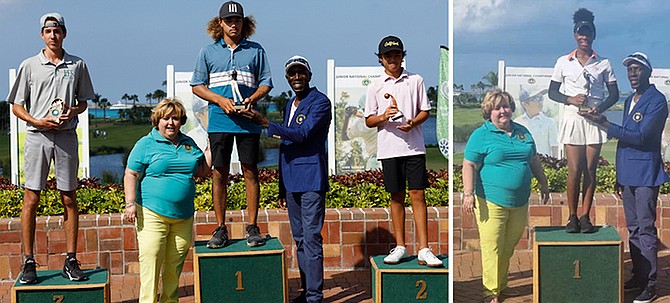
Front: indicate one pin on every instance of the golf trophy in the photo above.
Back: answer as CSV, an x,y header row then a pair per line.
x,y
591,101
57,108
238,100
399,114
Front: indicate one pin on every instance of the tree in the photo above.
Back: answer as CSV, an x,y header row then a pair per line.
x,y
104,104
125,98
490,80
432,93
134,98
282,100
149,96
159,95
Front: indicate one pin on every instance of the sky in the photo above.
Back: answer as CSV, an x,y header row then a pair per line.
x,y
127,43
531,33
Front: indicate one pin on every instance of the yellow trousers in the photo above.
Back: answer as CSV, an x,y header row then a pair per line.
x,y
500,229
163,242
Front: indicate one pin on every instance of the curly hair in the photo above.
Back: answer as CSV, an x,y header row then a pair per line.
x,y
215,30
493,98
583,14
167,107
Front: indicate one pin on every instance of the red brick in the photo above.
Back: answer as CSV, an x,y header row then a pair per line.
x,y
324,234
433,231
353,226
109,233
116,259
334,232
544,211
371,232
10,236
111,245
332,262
91,239
332,215
56,247
81,243
56,235
352,238
556,215
129,238
205,229
378,249
348,258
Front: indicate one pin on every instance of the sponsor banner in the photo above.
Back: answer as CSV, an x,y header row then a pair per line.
x,y
442,123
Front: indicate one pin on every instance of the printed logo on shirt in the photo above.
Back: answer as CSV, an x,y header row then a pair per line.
x,y
300,118
521,137
637,116
68,74
188,148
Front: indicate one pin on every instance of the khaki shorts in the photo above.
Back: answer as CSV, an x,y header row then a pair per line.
x,y
40,148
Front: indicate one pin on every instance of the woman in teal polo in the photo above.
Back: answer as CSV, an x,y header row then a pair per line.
x,y
500,160
159,192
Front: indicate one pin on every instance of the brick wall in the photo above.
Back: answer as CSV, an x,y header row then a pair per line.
x,y
350,237
606,209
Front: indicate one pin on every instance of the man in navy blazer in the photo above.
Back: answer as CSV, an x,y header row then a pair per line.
x,y
303,171
639,170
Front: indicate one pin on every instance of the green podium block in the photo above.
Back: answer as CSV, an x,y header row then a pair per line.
x,y
52,287
408,282
577,267
239,273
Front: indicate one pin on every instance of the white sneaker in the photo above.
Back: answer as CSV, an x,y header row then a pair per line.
x,y
396,255
426,257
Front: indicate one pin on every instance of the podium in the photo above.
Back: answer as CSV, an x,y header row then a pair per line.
x,y
52,287
408,281
577,267
239,273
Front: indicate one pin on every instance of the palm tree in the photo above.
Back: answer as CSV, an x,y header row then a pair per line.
x,y
149,96
103,103
159,95
135,98
490,80
125,98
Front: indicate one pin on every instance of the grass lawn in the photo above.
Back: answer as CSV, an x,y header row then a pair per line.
x,y
435,160
121,137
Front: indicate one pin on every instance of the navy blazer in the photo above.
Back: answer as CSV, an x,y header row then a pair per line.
x,y
303,160
638,153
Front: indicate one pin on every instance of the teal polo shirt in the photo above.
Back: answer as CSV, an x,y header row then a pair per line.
x,y
504,175
167,186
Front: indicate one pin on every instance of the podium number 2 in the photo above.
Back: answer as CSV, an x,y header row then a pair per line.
x,y
578,274
239,281
421,295
58,298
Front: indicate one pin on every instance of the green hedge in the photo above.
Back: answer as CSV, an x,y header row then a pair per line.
x,y
352,190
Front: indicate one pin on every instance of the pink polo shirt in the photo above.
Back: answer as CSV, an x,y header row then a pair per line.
x,y
410,93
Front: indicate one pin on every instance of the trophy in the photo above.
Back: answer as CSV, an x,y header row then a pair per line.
x,y
57,108
238,100
590,102
399,114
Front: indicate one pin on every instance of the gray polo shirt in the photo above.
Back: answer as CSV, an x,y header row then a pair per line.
x,y
39,82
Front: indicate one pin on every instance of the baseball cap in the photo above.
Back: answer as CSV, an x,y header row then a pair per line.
x,y
390,43
231,9
297,60
60,21
637,57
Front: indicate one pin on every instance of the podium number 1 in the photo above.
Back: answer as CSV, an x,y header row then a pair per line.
x,y
421,295
239,281
58,298
578,274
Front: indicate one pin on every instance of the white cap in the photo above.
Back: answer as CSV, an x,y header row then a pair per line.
x,y
637,57
297,60
60,21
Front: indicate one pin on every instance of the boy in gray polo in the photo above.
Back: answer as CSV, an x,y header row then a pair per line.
x,y
51,89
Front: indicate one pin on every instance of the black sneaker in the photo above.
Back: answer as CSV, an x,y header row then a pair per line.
x,y
71,270
585,224
573,225
633,285
28,272
647,295
219,237
254,236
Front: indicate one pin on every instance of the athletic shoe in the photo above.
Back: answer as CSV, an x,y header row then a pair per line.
x,y
585,224
254,236
573,225
396,255
71,270
426,257
633,285
647,295
28,272
219,237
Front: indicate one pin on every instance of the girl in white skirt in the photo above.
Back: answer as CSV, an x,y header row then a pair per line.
x,y
579,81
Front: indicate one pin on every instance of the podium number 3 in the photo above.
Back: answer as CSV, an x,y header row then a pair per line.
x,y
578,265
238,275
58,298
421,295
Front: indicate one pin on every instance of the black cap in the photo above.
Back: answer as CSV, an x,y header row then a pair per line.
x,y
583,27
390,43
231,9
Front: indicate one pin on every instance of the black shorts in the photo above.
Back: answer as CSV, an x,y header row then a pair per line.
x,y
398,170
221,146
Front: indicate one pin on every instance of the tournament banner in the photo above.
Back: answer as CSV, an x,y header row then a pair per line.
x,y
355,143
18,138
529,87
179,86
442,123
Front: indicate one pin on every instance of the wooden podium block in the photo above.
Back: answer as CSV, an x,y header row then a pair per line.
x,y
408,282
577,267
239,273
52,287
